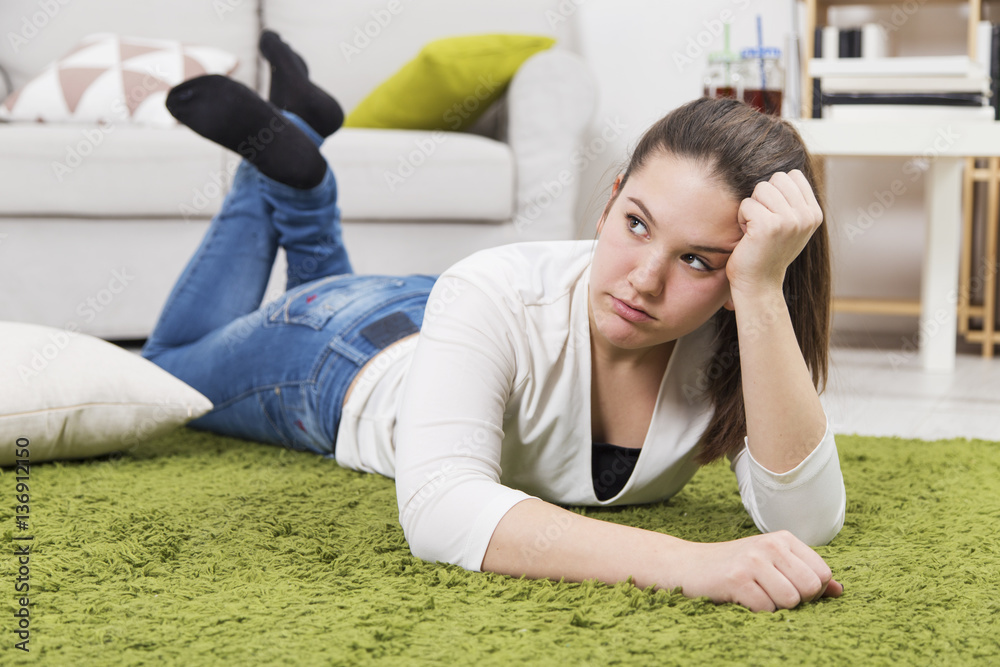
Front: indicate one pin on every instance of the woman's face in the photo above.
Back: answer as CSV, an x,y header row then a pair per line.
x,y
659,269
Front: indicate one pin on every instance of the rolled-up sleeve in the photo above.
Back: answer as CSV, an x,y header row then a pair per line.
x,y
809,500
449,429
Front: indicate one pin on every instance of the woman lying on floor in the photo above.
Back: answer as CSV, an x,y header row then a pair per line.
x,y
544,374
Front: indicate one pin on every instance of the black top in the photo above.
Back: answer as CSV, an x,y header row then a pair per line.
x,y
611,466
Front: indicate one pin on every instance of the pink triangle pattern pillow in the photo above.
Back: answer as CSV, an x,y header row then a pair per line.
x,y
107,78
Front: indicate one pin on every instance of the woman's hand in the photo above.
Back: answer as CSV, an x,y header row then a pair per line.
x,y
777,221
764,572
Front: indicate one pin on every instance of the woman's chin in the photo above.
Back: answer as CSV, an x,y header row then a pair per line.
x,y
624,335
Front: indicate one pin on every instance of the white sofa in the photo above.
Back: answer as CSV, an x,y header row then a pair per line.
x,y
98,249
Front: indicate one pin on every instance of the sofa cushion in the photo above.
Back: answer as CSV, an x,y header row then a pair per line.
x,y
37,32
114,78
417,175
109,170
53,170
449,84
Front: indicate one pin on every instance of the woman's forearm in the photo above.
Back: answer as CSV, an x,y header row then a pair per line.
x,y
785,419
542,541
764,572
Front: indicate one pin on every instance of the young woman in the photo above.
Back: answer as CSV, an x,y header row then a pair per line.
x,y
535,375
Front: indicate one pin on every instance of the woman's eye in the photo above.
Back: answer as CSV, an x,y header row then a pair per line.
x,y
635,225
696,262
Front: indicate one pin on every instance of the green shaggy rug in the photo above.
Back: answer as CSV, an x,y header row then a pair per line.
x,y
196,549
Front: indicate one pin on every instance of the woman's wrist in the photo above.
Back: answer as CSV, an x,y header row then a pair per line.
x,y
743,290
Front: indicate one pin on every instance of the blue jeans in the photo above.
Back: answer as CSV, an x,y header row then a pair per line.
x,y
278,373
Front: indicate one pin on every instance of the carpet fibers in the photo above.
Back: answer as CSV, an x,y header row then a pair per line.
x,y
197,549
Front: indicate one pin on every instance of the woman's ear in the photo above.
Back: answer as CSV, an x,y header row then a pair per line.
x,y
611,200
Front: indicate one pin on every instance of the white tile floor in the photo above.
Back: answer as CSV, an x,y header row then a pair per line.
x,y
885,392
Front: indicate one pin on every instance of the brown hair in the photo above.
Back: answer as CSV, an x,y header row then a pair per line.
x,y
741,147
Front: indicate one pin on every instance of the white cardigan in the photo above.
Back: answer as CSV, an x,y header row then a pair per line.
x,y
490,405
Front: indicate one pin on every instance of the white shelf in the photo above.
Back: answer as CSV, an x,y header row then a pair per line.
x,y
907,113
939,66
894,138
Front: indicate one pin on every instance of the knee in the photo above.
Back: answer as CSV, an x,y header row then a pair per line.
x,y
150,352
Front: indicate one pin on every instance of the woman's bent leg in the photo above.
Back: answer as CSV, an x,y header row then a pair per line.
x,y
227,276
308,228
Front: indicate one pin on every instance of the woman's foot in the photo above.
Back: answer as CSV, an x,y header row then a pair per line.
x,y
232,115
292,90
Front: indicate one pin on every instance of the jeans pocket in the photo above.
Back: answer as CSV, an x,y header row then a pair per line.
x,y
314,303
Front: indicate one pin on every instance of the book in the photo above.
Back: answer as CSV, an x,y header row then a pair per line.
x,y
874,41
849,43
935,99
995,70
906,84
819,48
952,66
831,42
901,113
916,88
867,41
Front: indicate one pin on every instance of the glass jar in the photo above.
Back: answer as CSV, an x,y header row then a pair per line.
x,y
764,78
722,77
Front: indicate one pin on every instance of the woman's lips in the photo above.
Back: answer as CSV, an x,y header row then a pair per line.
x,y
628,312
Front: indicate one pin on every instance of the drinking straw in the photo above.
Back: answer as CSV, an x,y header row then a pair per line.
x,y
760,54
727,52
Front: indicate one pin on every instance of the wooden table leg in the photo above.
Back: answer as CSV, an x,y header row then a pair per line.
x,y
989,266
965,266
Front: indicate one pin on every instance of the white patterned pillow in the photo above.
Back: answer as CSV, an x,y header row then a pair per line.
x,y
111,79
73,396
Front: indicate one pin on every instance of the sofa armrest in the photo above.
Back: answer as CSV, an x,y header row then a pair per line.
x,y
549,105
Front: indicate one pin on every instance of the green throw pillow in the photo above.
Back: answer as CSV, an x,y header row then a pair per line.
x,y
449,84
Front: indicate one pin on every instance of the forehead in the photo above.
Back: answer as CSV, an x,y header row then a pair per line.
x,y
682,191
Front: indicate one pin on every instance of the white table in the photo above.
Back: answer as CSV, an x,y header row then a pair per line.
x,y
947,144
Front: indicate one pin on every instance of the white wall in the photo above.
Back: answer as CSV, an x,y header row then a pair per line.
x,y
638,51
649,57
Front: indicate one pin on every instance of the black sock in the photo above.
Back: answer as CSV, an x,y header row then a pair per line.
x,y
292,90
232,115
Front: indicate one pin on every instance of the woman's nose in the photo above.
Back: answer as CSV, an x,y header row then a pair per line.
x,y
649,276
